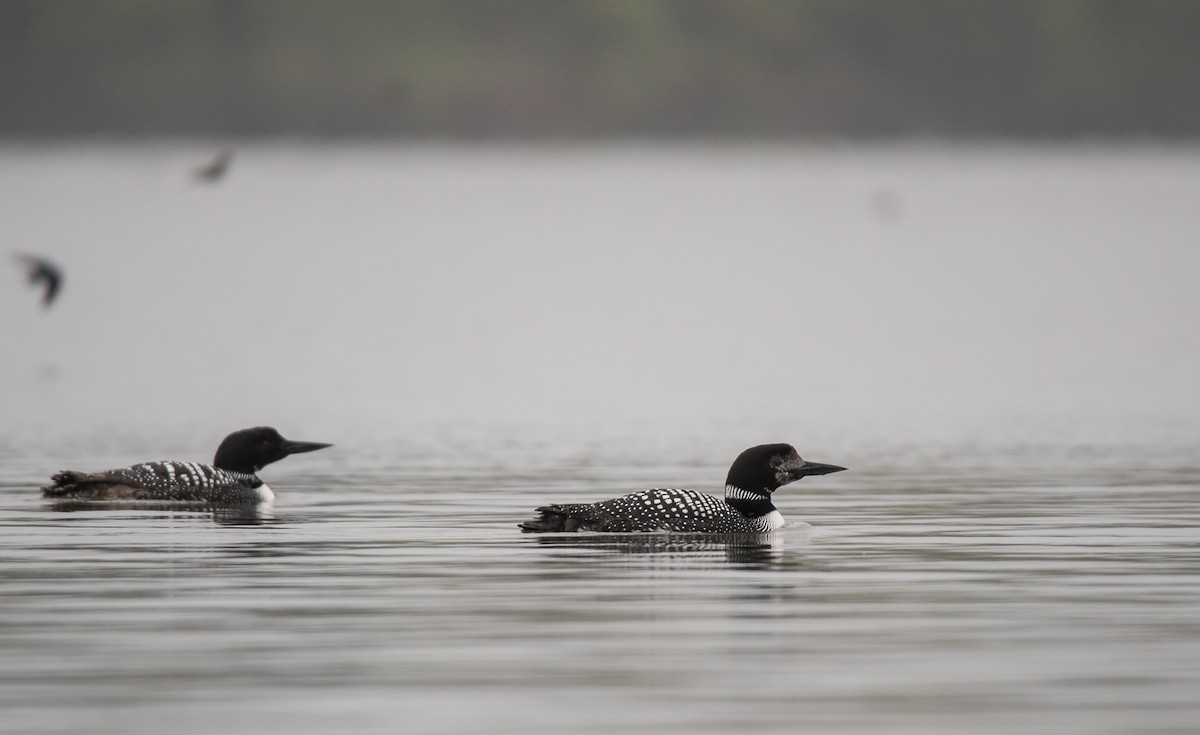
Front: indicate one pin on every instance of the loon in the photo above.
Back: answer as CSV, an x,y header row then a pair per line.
x,y
229,480
40,270
747,507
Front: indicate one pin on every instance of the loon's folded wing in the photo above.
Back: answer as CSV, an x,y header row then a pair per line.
x,y
108,485
571,517
147,481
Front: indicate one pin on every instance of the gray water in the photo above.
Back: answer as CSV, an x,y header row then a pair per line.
x,y
999,342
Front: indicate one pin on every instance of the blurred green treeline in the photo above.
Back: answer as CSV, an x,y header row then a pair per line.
x,y
572,68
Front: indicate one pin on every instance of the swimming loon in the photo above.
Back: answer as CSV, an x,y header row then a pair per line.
x,y
747,507
230,479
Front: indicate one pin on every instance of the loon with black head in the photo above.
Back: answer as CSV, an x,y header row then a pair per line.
x,y
230,480
747,507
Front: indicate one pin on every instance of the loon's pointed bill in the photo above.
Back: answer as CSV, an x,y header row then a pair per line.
x,y
746,508
230,480
295,447
816,468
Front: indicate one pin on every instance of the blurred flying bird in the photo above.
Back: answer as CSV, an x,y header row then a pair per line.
x,y
40,270
215,169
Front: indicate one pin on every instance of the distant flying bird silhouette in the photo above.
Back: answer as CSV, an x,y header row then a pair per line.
x,y
216,168
40,270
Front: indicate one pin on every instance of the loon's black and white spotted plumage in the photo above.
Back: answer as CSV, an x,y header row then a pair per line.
x,y
229,480
746,508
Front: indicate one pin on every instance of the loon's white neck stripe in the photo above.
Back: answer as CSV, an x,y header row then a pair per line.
x,y
737,493
766,522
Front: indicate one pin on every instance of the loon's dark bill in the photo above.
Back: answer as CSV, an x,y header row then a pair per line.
x,y
294,447
816,468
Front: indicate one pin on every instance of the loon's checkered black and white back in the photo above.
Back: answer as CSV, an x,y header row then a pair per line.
x,y
659,509
229,480
746,508
182,481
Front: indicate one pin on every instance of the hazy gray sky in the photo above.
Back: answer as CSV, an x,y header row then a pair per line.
x,y
875,289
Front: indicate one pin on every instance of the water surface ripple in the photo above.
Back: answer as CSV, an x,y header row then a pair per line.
x,y
904,599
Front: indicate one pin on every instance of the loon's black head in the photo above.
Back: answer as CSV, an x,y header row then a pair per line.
x,y
767,467
249,450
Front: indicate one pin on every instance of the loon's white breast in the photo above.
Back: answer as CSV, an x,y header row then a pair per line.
x,y
264,493
773,520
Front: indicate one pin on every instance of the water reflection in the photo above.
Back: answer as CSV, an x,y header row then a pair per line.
x,y
754,550
920,601
232,515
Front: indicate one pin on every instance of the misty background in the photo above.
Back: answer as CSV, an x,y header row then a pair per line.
x,y
536,69
777,217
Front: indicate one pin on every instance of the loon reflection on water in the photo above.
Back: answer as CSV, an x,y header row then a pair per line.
x,y
226,515
758,550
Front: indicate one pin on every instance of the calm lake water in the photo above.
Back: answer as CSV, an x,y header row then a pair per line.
x,y
1000,343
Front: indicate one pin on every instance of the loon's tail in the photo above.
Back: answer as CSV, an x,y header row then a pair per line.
x,y
554,518
86,486
66,484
